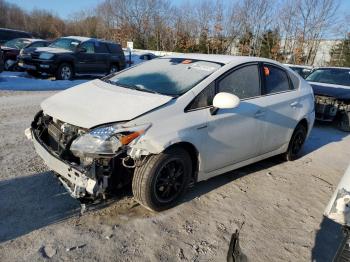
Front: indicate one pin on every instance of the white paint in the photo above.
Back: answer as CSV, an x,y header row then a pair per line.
x,y
257,128
225,100
96,102
338,208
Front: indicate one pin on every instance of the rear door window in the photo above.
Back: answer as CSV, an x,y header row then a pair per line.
x,y
101,48
276,79
243,82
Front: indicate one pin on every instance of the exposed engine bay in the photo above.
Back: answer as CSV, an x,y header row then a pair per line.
x,y
327,107
100,173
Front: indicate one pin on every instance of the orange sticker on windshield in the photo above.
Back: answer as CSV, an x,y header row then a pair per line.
x,y
266,71
187,61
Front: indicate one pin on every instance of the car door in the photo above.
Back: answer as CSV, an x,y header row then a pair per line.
x,y
86,60
103,57
234,135
282,107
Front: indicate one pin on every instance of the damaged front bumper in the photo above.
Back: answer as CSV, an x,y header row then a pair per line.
x,y
73,179
338,208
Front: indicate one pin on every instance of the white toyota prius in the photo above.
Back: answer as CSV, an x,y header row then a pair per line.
x,y
165,124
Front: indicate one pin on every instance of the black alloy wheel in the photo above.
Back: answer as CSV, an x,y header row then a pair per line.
x,y
296,143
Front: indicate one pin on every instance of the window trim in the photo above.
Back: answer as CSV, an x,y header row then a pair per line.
x,y
263,79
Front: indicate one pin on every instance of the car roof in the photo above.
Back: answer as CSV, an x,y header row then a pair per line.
x,y
299,66
332,67
14,30
29,39
79,38
223,59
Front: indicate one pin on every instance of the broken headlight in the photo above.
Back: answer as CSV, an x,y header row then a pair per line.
x,y
106,140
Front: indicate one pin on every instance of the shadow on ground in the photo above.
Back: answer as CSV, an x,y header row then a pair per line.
x,y
32,202
327,241
321,135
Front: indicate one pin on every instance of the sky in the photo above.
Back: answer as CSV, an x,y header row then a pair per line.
x,y
65,8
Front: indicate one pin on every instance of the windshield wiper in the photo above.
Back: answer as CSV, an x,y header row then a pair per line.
x,y
134,87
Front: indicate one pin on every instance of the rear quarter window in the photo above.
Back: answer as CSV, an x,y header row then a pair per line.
x,y
276,79
295,81
101,47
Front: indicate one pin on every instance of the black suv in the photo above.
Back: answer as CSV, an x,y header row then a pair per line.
x,y
74,55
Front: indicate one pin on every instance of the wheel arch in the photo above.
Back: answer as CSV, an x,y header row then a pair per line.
x,y
194,154
303,122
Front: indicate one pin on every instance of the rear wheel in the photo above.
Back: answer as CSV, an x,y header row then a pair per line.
x,y
296,142
344,122
64,72
163,179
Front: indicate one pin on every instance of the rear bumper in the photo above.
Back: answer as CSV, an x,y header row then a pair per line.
x,y
74,180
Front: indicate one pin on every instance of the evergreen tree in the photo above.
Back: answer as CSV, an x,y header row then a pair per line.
x,y
340,53
270,45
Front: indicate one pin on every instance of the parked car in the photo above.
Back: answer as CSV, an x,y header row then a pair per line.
x,y
12,49
73,55
1,62
168,123
331,87
138,57
302,70
9,34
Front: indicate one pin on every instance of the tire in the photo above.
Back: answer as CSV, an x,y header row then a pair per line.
x,y
64,72
113,69
163,179
344,122
296,142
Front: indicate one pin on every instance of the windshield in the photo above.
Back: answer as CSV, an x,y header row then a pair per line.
x,y
335,76
65,43
17,43
167,76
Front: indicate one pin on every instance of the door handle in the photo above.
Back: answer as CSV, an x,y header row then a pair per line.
x,y
294,104
259,113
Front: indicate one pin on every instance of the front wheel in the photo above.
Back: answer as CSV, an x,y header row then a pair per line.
x,y
113,69
8,65
163,179
64,72
296,143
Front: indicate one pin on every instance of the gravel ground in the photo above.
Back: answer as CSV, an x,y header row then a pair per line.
x,y
280,203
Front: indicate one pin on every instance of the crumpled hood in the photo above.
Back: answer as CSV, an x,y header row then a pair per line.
x,y
337,91
52,50
96,102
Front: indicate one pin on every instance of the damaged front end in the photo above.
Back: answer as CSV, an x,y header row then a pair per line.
x,y
90,163
327,107
338,208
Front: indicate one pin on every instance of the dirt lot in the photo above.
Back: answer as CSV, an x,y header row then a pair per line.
x,y
281,204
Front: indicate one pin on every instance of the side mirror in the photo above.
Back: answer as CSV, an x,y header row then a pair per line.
x,y
224,101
